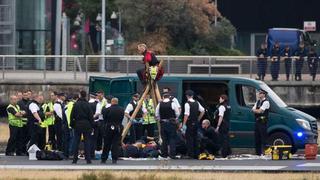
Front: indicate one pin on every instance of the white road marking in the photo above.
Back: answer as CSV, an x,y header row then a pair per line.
x,y
309,165
120,167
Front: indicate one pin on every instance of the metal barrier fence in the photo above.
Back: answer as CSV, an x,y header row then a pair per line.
x,y
80,66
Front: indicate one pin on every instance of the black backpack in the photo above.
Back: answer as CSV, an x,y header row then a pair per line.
x,y
49,155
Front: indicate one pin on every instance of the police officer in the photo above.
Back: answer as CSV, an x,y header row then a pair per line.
x,y
72,99
193,112
313,61
222,118
113,117
262,61
81,120
49,119
167,113
261,112
172,98
15,141
35,118
286,56
61,125
275,62
23,104
149,121
98,120
301,53
136,130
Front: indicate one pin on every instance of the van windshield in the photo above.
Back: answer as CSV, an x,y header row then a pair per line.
x,y
276,99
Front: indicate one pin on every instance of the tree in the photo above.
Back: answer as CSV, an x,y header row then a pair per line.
x,y
169,26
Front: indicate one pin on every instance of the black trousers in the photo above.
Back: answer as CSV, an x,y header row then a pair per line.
x,y
261,136
97,137
225,145
26,135
192,140
299,66
209,145
38,136
288,62
274,69
262,66
15,141
111,142
77,138
52,136
58,131
65,140
141,74
168,135
136,132
149,128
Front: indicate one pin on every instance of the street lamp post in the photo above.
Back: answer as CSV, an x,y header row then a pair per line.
x,y
103,37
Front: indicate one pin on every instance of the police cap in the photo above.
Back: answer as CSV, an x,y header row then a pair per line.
x,y
261,91
189,93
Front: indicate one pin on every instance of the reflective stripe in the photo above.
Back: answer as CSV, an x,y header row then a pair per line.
x,y
49,120
69,110
13,120
149,119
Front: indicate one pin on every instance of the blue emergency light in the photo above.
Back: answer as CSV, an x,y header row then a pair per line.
x,y
299,134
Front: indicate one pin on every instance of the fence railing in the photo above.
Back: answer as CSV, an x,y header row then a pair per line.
x,y
80,67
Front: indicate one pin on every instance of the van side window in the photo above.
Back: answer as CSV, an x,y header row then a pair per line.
x,y
246,95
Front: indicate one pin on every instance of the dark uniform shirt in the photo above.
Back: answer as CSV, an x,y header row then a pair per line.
x,y
113,115
81,115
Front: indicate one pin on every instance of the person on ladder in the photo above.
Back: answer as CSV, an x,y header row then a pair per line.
x,y
149,57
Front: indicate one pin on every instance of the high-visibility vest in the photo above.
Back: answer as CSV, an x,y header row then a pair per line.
x,y
49,120
13,120
104,103
68,111
150,117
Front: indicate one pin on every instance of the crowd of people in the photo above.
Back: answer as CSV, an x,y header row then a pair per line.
x,y
286,55
64,121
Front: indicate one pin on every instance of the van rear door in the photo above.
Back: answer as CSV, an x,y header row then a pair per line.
x,y
99,83
123,90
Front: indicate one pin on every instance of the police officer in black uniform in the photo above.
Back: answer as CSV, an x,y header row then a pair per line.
x,y
261,61
261,112
112,117
136,130
167,113
286,56
35,116
313,61
275,62
61,125
301,53
23,104
81,120
222,117
193,112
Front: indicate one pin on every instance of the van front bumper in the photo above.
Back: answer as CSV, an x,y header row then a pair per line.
x,y
306,138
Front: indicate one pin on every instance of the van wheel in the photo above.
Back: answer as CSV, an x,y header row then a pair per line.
x,y
280,138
